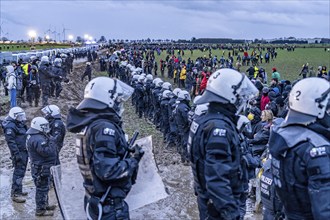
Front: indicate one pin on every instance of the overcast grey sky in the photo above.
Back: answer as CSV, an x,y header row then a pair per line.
x,y
168,19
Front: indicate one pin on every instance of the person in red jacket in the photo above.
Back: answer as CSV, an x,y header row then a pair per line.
x,y
264,98
205,78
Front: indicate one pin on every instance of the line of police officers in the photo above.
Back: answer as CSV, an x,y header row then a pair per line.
x,y
296,177
299,146
167,109
41,143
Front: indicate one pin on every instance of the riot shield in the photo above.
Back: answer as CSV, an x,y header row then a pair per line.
x,y
149,187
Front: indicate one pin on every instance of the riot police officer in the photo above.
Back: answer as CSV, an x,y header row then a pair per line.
x,y
214,145
14,128
42,153
139,95
57,128
46,76
148,97
156,92
173,136
88,72
300,149
166,95
182,120
61,74
101,148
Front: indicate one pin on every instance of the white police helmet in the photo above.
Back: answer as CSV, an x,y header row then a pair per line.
x,y
149,77
308,100
136,77
167,94
184,95
40,124
52,110
58,62
158,82
141,78
17,114
176,91
45,59
228,86
167,86
104,92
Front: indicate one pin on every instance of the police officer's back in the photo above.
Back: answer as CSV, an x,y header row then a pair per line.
x,y
214,146
97,122
300,149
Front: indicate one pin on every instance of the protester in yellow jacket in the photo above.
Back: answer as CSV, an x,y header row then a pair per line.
x,y
183,76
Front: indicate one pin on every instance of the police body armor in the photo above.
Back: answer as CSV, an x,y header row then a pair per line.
x,y
84,152
293,186
269,198
20,134
197,154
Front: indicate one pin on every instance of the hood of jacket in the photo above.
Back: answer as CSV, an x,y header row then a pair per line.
x,y
78,119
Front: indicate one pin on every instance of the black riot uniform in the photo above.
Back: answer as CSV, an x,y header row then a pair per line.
x,y
15,135
214,149
172,137
46,76
181,117
88,73
165,117
301,168
272,205
101,138
139,95
42,152
61,74
57,132
148,99
156,92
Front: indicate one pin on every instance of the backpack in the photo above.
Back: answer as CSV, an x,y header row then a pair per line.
x,y
19,80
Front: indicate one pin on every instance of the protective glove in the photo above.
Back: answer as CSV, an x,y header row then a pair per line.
x,y
138,152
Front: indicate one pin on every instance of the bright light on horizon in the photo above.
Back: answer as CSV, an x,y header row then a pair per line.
x,y
32,34
90,38
70,37
86,36
47,37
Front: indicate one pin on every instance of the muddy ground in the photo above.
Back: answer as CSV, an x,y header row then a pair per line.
x,y
181,202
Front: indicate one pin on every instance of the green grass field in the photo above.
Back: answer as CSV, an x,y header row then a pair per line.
x,y
28,47
288,64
